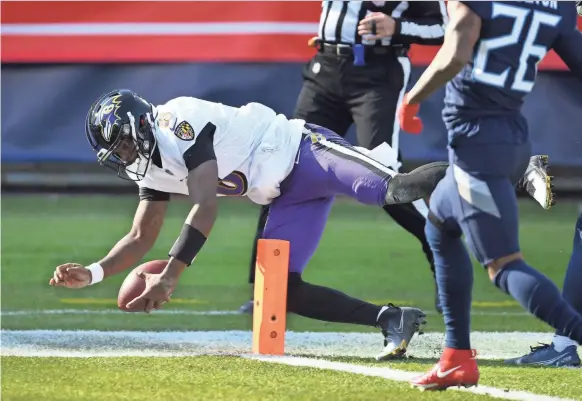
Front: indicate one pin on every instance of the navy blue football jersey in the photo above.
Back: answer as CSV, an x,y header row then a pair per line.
x,y
515,37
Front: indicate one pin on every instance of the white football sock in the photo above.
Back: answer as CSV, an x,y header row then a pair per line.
x,y
560,343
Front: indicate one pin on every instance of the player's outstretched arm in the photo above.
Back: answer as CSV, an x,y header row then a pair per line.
x,y
202,184
461,34
128,251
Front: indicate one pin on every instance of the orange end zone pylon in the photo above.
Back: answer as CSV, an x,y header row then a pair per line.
x,y
270,309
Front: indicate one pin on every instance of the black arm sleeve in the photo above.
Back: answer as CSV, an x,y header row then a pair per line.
x,y
202,150
422,23
153,195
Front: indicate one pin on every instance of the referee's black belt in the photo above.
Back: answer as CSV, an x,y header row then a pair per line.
x,y
347,50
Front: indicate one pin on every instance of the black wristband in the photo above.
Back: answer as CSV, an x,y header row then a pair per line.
x,y
187,245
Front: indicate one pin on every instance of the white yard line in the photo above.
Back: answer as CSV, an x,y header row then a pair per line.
x,y
87,343
33,312
400,376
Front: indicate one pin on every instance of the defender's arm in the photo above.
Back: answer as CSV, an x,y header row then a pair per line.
x,y
461,35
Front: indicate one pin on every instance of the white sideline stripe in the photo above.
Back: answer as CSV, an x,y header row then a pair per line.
x,y
90,343
185,312
175,28
400,376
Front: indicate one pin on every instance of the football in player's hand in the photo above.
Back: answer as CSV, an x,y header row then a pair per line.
x,y
133,285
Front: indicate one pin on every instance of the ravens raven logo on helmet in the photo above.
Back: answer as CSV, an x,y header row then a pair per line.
x,y
119,127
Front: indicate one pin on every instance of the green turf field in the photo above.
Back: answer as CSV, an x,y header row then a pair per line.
x,y
362,253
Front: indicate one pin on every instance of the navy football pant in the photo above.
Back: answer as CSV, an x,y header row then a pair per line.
x,y
477,198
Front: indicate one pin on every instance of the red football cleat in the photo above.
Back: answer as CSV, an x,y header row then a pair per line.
x,y
456,368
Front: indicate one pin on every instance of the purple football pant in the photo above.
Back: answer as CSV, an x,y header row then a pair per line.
x,y
326,166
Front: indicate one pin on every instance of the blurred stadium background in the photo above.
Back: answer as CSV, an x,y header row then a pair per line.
x,y
57,57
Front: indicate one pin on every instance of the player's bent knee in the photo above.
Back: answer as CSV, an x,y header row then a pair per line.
x,y
495,266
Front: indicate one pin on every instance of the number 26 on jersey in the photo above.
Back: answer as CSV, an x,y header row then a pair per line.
x,y
526,50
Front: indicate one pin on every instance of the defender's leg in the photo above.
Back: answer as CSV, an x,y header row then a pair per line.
x,y
490,221
454,274
494,239
485,208
408,216
563,350
453,267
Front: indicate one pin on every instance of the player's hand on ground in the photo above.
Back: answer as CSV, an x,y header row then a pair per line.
x,y
384,26
157,292
71,275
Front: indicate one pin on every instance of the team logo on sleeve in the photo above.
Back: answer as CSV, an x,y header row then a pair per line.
x,y
184,131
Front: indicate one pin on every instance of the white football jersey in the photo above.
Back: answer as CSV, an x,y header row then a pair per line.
x,y
255,147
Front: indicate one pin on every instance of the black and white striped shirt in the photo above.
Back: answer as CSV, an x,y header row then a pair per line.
x,y
421,22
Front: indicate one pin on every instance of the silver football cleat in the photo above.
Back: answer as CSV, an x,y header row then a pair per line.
x,y
538,183
398,326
